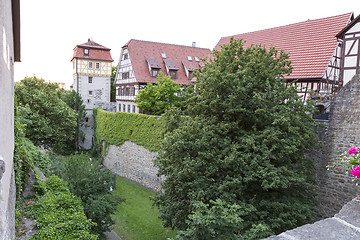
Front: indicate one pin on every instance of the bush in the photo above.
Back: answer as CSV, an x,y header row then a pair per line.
x,y
92,185
59,214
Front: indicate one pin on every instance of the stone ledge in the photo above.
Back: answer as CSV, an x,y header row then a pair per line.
x,y
344,225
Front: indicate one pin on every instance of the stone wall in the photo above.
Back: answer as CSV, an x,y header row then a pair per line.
x,y
135,163
341,132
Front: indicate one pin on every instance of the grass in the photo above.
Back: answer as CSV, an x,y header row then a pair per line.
x,y
136,218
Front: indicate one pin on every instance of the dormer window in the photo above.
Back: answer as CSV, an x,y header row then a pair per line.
x,y
171,68
154,72
86,51
172,73
154,67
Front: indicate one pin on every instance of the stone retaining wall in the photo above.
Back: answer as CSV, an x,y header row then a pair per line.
x,y
135,163
335,187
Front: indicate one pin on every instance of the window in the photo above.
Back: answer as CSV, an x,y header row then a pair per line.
x,y
120,107
125,56
90,65
88,101
119,93
129,108
132,91
90,93
124,108
86,51
173,74
125,75
189,58
163,55
154,72
97,65
127,91
190,75
86,119
133,108
90,79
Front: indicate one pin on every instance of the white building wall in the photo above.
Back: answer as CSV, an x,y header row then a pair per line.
x,y
7,183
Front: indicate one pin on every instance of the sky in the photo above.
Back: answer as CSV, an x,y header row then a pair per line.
x,y
51,29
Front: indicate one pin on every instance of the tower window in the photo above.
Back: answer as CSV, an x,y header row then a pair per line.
x,y
90,79
97,65
90,65
86,51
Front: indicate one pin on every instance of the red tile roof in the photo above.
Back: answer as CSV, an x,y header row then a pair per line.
x,y
139,51
96,51
310,44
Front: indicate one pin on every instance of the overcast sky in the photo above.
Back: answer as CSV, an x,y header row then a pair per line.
x,y
51,29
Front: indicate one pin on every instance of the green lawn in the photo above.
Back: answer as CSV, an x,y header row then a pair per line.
x,y
136,218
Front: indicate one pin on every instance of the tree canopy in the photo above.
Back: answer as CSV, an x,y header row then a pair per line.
x,y
243,143
156,98
51,116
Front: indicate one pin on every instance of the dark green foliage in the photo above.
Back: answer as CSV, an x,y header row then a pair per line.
x,y
116,128
21,164
75,102
221,221
156,98
51,123
92,185
112,85
59,214
243,142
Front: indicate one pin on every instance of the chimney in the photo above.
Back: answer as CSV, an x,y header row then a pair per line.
x,y
193,44
88,39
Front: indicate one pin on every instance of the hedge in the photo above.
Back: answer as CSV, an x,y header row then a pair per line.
x,y
116,128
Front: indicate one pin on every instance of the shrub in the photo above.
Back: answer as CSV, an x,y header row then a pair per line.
x,y
59,214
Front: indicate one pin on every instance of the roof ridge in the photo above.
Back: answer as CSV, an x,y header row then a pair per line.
x,y
180,45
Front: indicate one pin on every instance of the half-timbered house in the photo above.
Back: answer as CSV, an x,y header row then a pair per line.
x,y
141,61
315,50
349,39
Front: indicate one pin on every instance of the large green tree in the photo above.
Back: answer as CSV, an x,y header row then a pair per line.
x,y
51,122
156,98
243,143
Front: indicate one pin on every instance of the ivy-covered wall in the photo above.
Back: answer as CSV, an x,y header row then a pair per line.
x,y
116,128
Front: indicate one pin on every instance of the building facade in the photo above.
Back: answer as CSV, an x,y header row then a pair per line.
x,y
141,61
91,79
9,53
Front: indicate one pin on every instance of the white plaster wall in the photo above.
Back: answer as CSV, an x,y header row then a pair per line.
x,y
7,188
